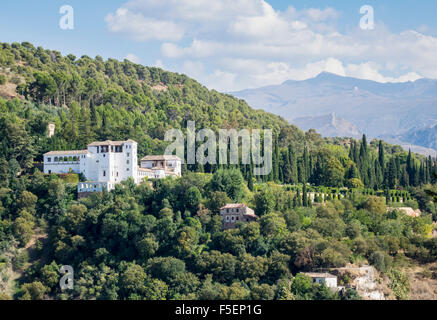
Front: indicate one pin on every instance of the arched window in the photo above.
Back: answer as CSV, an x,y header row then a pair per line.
x,y
56,159
65,158
70,158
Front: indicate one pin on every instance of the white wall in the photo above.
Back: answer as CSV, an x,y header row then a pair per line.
x,y
60,167
329,282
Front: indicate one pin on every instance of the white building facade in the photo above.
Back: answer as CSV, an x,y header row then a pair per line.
x,y
158,167
106,163
328,279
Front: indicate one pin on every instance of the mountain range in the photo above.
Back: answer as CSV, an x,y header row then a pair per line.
x,y
404,113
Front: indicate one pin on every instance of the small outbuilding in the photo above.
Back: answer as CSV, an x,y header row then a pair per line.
x,y
328,279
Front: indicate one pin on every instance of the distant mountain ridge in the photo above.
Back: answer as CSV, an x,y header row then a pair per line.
x,y
404,111
329,125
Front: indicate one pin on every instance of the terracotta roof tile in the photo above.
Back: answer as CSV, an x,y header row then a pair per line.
x,y
160,157
66,152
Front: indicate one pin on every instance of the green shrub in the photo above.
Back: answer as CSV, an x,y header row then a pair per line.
x,y
70,178
399,284
20,260
380,260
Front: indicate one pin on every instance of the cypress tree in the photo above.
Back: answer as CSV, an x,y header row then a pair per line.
x,y
379,176
429,169
304,195
410,167
250,179
93,113
287,168
364,162
416,175
293,163
390,179
306,165
381,156
276,161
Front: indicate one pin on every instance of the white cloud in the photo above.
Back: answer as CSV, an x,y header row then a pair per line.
x,y
234,44
254,73
197,49
140,28
321,15
264,24
132,58
159,64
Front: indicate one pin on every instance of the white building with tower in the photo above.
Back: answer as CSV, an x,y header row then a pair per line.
x,y
106,163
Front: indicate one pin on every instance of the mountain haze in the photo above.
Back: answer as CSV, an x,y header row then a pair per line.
x,y
403,111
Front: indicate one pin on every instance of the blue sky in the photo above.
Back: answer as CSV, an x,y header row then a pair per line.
x,y
231,45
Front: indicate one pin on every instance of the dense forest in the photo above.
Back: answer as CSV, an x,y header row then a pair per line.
x,y
164,240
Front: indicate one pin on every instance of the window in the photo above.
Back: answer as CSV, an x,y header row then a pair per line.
x,y
233,218
227,218
50,171
127,161
104,173
128,154
56,159
117,173
49,159
237,210
227,210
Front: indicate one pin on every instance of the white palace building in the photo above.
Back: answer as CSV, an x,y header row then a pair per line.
x,y
104,164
